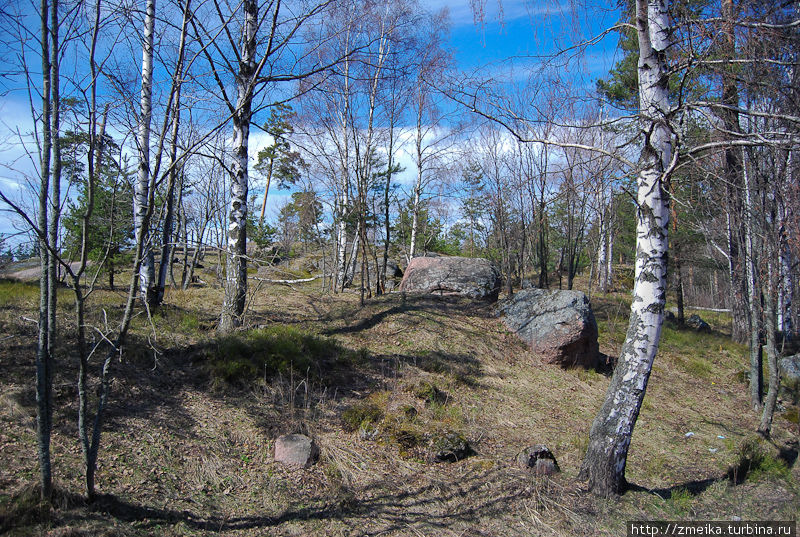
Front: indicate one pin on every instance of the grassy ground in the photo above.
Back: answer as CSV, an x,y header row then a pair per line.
x,y
187,449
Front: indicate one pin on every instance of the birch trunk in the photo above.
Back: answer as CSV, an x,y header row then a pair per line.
x,y
753,298
610,252
236,275
418,185
610,436
44,364
773,382
415,219
602,254
141,191
734,180
169,216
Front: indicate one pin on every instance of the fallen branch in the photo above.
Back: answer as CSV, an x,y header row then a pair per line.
x,y
715,310
287,282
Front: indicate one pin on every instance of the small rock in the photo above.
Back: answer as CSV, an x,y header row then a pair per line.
x,y
538,459
367,431
699,325
669,315
450,447
296,450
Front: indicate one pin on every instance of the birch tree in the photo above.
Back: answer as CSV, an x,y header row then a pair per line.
x,y
267,50
604,464
142,191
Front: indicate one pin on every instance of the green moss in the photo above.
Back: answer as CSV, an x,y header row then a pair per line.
x,y
756,462
698,367
261,353
190,323
361,414
430,393
680,499
792,415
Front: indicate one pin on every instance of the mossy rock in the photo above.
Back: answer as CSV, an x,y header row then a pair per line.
x,y
450,446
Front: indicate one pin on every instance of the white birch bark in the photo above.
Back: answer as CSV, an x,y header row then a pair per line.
x,y
418,185
610,437
236,274
141,191
344,161
412,249
169,216
602,250
610,252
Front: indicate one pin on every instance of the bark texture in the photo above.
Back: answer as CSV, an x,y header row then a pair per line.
x,y
236,270
610,436
141,192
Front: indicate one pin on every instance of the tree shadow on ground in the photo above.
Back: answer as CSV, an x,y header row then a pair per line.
x,y
694,488
403,303
382,507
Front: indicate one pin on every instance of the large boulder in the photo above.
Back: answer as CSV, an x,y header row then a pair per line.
x,y
558,325
472,277
790,367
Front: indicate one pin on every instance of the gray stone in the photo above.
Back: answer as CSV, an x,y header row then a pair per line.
x,y
790,368
699,325
467,276
450,447
538,460
558,325
296,450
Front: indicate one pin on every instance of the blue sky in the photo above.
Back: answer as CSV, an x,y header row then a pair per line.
x,y
508,39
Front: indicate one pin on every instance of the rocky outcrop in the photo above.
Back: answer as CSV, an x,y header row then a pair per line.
x,y
472,277
558,325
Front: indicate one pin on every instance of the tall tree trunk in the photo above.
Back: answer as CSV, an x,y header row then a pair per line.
x,y
602,253
773,380
679,291
753,296
169,216
44,362
412,249
610,257
266,190
236,272
610,436
141,191
734,181
387,189
418,185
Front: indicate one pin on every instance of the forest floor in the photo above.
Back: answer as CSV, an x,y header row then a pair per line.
x,y
192,418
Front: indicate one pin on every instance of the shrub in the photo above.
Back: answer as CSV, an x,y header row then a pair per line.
x,y
756,462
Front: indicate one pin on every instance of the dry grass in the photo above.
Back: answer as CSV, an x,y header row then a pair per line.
x,y
180,458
